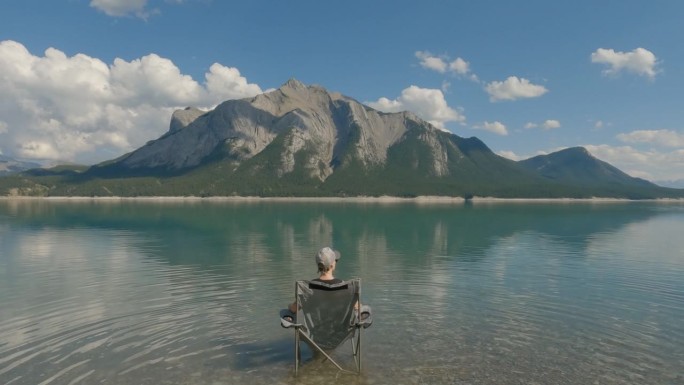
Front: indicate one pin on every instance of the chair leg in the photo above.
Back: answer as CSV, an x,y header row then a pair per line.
x,y
358,346
297,351
326,355
356,349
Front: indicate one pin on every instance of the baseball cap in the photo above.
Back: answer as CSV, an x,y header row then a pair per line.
x,y
326,256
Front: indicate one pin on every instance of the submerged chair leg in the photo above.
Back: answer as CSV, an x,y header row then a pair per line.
x,y
326,355
297,353
356,349
358,356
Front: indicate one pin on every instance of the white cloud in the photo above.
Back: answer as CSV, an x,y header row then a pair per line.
x,y
387,105
549,124
665,138
226,83
510,155
495,127
599,124
513,88
443,65
460,66
427,103
81,109
3,127
639,61
431,62
118,8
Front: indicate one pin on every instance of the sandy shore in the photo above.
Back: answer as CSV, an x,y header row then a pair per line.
x,y
361,199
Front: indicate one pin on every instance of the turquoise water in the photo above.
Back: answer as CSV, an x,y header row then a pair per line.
x,y
140,292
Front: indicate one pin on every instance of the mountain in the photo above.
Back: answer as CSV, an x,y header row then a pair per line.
x,y
11,166
303,140
577,166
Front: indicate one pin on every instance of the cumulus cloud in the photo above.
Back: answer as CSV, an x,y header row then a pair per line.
x,y
495,127
460,66
431,62
427,103
665,138
513,88
78,108
226,83
639,61
443,65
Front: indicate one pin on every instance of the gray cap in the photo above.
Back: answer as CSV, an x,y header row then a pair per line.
x,y
326,256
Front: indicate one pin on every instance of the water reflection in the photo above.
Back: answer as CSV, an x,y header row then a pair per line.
x,y
187,292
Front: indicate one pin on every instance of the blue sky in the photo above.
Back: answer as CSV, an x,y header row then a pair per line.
x,y
88,80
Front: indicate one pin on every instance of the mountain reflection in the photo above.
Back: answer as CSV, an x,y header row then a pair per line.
x,y
211,233
131,291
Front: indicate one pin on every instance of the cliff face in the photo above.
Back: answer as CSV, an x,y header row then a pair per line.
x,y
331,128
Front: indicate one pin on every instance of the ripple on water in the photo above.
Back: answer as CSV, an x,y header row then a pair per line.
x,y
559,310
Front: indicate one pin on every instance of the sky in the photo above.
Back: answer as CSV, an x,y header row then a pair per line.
x,y
88,80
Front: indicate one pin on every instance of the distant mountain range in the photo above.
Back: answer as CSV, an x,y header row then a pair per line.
x,y
11,166
674,183
306,141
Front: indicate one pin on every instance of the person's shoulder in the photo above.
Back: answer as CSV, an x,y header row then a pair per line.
x,y
328,281
327,284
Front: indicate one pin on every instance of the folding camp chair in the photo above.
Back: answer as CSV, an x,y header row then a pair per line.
x,y
326,317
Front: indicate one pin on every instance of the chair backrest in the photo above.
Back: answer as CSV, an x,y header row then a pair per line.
x,y
327,311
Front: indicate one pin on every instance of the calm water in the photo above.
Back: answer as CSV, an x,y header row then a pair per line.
x,y
188,293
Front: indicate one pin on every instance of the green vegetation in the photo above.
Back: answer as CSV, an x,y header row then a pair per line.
x,y
409,171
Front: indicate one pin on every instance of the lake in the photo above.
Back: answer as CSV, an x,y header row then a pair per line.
x,y
188,292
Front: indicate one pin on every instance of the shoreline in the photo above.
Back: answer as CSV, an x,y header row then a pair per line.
x,y
358,199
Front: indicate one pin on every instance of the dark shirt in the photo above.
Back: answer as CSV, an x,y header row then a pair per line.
x,y
327,284
327,281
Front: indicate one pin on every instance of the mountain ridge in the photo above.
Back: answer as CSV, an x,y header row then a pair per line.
x,y
11,166
577,165
301,140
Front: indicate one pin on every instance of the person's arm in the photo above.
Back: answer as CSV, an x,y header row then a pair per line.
x,y
293,307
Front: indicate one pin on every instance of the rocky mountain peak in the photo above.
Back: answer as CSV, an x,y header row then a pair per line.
x,y
294,84
182,118
304,140
329,128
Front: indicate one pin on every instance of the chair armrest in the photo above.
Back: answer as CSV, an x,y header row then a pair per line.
x,y
288,319
365,316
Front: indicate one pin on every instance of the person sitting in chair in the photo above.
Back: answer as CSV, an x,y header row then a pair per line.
x,y
326,260
330,311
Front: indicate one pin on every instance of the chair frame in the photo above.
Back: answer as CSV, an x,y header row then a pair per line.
x,y
355,339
